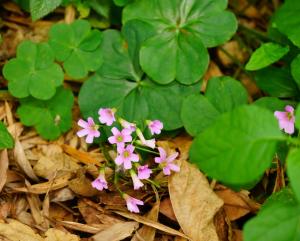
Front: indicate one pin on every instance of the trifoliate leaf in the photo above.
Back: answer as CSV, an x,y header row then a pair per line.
x,y
265,55
222,94
77,46
6,140
183,30
271,103
40,8
277,82
33,72
52,117
295,69
278,220
135,101
244,148
287,20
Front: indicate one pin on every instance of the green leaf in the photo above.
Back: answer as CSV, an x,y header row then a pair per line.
x,y
295,69
222,94
297,117
122,3
77,46
33,72
270,103
293,170
277,82
135,101
287,20
278,220
239,147
52,117
182,31
6,140
198,113
40,8
265,55
226,93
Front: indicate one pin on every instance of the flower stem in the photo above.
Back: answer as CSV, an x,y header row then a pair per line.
x,y
146,150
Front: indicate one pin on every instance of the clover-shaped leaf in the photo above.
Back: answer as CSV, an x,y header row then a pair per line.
x,y
119,83
222,94
52,117
33,72
6,140
184,29
77,46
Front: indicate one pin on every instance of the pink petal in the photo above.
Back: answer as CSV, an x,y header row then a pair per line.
x,y
91,121
83,132
119,160
95,133
112,140
167,171
289,128
130,148
89,139
172,157
127,138
132,207
83,123
162,153
120,147
174,167
158,160
115,131
280,115
134,157
137,201
126,132
127,164
289,108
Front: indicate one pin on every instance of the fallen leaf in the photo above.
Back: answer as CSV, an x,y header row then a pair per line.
x,y
22,161
16,231
82,185
194,203
166,209
3,168
84,227
151,223
53,234
62,195
147,233
116,232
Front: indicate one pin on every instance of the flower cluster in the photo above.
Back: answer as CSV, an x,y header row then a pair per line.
x,y
128,141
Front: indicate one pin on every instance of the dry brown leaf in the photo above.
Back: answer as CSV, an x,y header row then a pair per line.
x,y
22,161
16,231
151,223
58,213
234,48
237,235
3,168
116,232
62,195
166,209
55,165
147,233
82,185
194,203
35,204
84,227
84,157
53,234
45,187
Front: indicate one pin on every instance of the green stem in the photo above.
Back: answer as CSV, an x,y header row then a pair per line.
x,y
146,150
255,33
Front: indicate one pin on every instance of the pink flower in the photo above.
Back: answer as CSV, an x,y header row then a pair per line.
x,y
100,183
167,162
286,119
144,172
90,129
120,136
136,181
155,126
126,156
132,203
143,141
127,125
107,116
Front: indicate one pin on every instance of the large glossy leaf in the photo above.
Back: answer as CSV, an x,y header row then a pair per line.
x,y
295,69
6,140
183,30
77,46
51,118
33,71
135,101
278,220
271,103
277,82
222,94
239,147
265,55
287,20
293,170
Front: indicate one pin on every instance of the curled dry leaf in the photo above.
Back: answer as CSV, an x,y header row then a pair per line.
x,y
22,161
82,185
16,231
62,195
152,224
3,168
167,210
116,232
84,227
147,233
194,203
53,234
45,187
